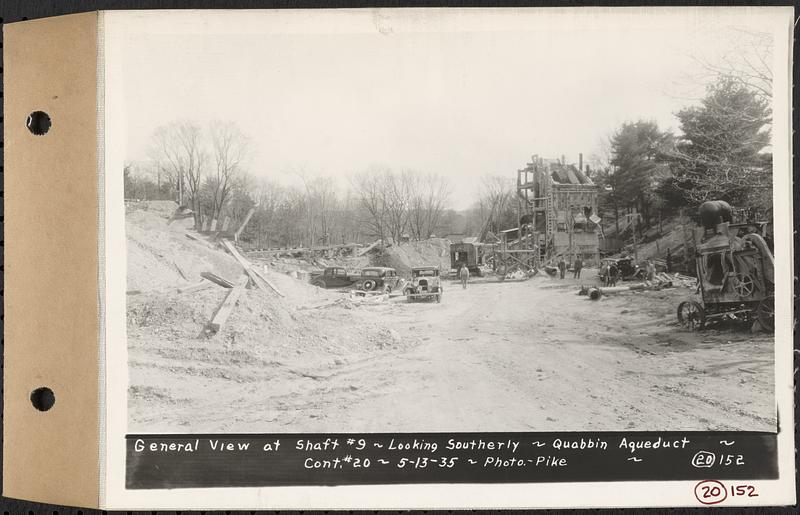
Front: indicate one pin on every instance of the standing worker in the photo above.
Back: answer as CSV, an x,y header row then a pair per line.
x,y
576,274
562,266
651,270
464,275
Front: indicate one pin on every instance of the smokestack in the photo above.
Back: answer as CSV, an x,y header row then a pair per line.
x,y
580,162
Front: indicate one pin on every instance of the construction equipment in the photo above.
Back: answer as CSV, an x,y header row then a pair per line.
x,y
736,275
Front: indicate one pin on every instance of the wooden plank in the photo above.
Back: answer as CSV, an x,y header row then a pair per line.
x,y
226,308
242,261
225,224
267,281
195,287
367,249
217,279
257,278
244,223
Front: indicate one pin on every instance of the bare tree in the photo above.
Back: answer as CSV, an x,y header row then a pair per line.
x,y
368,188
229,149
396,187
428,196
497,193
178,147
320,200
748,61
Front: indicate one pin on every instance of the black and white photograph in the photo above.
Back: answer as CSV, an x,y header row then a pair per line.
x,y
561,222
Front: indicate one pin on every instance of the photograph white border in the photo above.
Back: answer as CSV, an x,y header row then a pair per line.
x,y
117,25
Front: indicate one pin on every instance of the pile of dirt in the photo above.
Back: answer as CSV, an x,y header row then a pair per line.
x,y
161,256
433,251
164,326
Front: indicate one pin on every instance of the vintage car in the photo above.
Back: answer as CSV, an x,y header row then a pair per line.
x,y
333,277
425,284
379,279
626,269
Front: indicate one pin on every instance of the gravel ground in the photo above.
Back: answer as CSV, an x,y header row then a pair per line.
x,y
514,356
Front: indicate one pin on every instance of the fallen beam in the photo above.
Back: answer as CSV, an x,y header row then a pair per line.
x,y
256,276
217,279
367,249
261,276
226,308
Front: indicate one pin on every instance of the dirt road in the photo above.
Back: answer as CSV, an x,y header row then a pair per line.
x,y
514,356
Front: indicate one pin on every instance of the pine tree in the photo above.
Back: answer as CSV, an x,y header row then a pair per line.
x,y
721,154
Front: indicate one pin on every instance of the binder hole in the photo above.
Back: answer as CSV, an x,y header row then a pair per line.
x,y
38,123
43,398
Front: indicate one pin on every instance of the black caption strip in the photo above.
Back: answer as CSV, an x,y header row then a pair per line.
x,y
193,461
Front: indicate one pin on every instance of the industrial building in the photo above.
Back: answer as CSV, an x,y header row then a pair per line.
x,y
557,205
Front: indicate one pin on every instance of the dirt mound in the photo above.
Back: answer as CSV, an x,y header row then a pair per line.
x,y
161,256
267,337
433,251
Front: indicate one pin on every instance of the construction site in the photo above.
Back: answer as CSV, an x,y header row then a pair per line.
x,y
226,339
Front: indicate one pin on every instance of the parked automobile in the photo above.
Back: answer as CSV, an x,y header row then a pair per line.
x,y
380,279
425,284
334,277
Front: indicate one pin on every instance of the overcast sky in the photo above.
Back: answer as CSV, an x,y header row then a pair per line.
x,y
458,102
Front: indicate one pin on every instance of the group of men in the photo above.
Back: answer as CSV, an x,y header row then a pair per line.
x,y
576,269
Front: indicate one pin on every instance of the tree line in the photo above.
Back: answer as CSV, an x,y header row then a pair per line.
x,y
722,150
207,170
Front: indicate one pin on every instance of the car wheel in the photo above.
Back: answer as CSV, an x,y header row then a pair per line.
x,y
368,285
